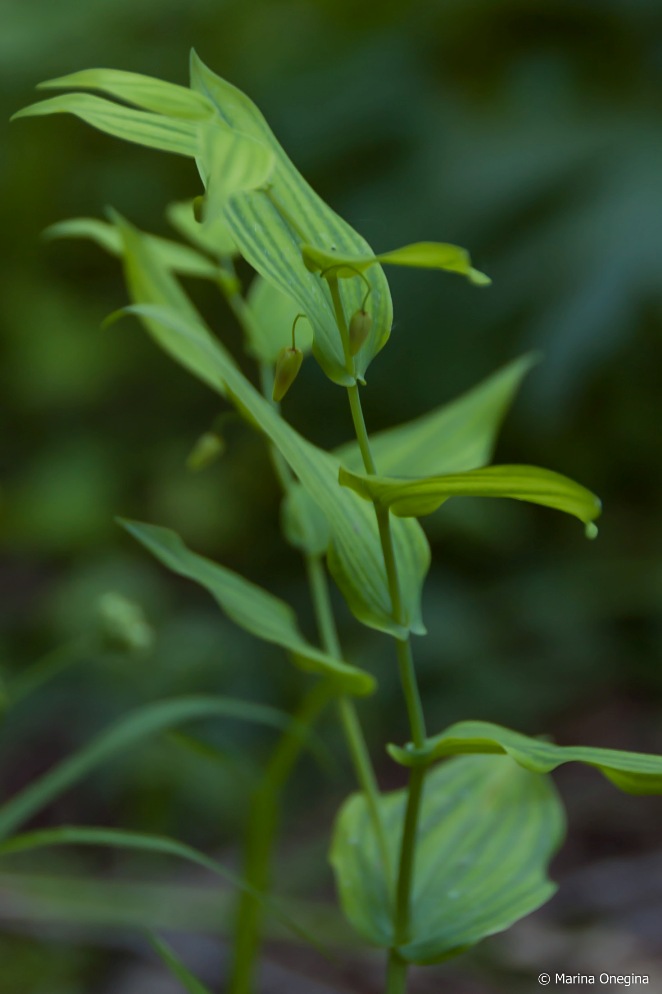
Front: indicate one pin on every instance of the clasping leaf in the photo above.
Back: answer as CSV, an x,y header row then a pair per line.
x,y
414,498
633,772
420,255
486,833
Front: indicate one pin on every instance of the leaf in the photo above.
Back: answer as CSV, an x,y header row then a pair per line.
x,y
167,134
178,969
487,831
420,255
270,227
451,439
248,605
633,772
149,281
214,238
304,525
273,314
123,735
355,556
143,842
172,255
143,91
231,163
413,498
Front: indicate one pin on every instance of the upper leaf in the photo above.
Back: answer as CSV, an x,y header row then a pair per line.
x,y
143,91
420,255
271,225
414,498
486,833
168,134
633,772
179,258
248,605
451,439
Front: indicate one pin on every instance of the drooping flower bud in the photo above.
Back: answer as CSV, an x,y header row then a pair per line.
x,y
359,329
288,364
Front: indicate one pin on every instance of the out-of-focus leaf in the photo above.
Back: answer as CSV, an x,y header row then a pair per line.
x,y
168,134
270,227
452,439
248,605
487,831
178,969
273,315
421,255
355,555
633,772
145,92
125,734
143,842
179,258
413,498
304,525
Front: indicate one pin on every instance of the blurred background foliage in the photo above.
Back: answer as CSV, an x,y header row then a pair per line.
x,y
532,134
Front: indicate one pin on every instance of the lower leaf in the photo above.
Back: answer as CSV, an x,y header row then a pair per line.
x,y
487,831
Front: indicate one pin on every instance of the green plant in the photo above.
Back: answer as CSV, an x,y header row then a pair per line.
x,y
462,852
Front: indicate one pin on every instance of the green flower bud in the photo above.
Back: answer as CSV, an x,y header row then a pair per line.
x,y
198,209
359,329
288,365
206,450
123,625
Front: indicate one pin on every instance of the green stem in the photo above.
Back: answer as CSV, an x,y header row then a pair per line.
x,y
397,968
262,828
351,725
396,977
263,820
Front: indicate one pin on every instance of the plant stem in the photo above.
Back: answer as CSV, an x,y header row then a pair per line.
x,y
397,968
396,979
264,811
349,718
261,833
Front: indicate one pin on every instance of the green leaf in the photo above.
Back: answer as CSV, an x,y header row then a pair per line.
x,y
305,527
355,556
150,282
451,439
178,969
487,831
143,91
421,255
167,134
122,736
143,842
413,498
248,605
172,255
271,225
273,314
214,237
231,162
633,772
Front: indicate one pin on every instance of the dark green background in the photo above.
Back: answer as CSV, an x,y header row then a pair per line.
x,y
531,132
